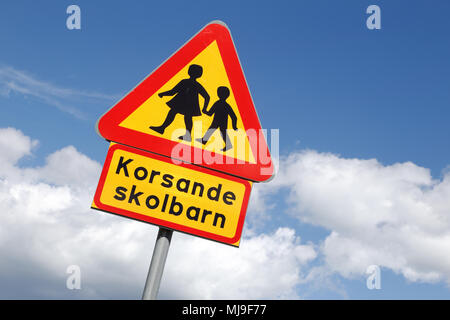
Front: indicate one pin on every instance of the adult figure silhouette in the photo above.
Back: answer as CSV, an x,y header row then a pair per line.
x,y
185,101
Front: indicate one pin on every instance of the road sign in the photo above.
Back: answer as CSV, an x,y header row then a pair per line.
x,y
183,197
195,107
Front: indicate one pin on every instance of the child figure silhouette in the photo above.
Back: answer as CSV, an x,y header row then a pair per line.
x,y
221,111
185,101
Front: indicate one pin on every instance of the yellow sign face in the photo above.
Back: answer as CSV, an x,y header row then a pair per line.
x,y
187,198
155,111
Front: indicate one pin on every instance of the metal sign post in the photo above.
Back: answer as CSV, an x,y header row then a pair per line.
x,y
157,264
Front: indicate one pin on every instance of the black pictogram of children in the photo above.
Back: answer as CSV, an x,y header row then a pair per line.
x,y
185,102
221,111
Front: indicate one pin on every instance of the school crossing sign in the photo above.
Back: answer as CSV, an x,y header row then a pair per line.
x,y
195,107
186,143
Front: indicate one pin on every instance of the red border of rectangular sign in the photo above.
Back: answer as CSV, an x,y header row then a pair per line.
x,y
108,125
167,224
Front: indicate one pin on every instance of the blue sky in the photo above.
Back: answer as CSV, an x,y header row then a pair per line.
x,y
315,72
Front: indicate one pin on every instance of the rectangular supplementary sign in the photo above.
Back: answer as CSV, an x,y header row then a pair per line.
x,y
182,197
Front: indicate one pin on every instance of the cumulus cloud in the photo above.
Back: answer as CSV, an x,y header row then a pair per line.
x,y
47,225
395,216
266,266
14,145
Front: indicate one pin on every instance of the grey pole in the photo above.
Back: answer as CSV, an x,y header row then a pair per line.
x,y
157,264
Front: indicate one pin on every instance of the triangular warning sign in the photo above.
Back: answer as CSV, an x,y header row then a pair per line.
x,y
196,107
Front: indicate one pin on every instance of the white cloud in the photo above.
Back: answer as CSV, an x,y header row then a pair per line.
x,y
394,216
266,266
47,225
20,82
14,145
